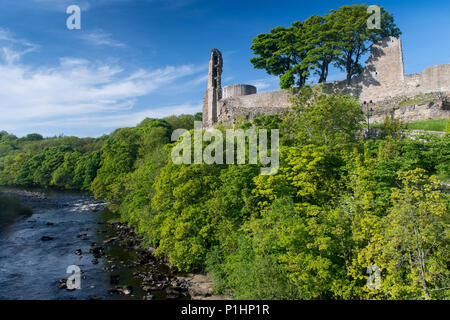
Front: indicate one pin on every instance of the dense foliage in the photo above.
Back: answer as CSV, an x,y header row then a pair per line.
x,y
338,204
62,162
340,38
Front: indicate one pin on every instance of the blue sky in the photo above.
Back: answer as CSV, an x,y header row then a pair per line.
x,y
148,58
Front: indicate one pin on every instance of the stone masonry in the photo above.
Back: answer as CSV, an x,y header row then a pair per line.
x,y
382,85
214,92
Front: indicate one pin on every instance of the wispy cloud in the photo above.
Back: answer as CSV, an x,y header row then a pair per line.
x,y
96,125
14,48
100,38
266,84
80,91
123,119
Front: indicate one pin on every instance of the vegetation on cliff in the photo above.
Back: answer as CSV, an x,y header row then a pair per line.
x,y
337,206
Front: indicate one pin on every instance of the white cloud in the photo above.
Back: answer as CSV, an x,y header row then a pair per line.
x,y
266,84
14,48
120,120
76,87
100,38
79,91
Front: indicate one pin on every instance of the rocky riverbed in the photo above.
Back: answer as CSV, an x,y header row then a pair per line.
x,y
72,229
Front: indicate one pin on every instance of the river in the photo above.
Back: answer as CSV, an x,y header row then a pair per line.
x,y
37,249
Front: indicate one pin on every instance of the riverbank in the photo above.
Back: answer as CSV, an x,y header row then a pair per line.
x,y
157,275
12,209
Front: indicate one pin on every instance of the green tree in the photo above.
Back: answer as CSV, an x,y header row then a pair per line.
x,y
355,37
181,223
118,158
63,176
281,53
391,127
341,37
32,137
416,240
322,41
86,170
325,119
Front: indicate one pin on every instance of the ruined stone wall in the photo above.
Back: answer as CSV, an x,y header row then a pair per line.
x,y
214,91
413,80
436,77
433,105
231,115
245,108
383,76
237,90
279,98
409,108
382,83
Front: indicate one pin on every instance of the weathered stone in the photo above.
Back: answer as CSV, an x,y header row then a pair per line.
x,y
214,91
382,85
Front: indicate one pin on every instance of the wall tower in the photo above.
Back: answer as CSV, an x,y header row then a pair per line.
x,y
214,92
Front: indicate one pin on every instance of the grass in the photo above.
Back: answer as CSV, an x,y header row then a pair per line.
x,y
429,125
416,100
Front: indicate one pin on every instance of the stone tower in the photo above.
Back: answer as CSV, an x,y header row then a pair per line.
x,y
214,92
383,74
385,64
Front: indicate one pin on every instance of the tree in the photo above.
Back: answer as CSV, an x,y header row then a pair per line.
x,y
355,225
327,119
198,116
392,127
118,158
10,166
281,53
181,223
86,170
341,37
322,39
32,137
417,237
355,38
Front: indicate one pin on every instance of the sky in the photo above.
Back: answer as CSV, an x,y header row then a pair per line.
x,y
134,59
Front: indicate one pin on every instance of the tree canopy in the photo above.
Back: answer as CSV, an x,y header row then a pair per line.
x,y
308,47
338,206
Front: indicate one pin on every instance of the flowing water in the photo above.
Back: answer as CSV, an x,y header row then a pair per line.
x,y
30,267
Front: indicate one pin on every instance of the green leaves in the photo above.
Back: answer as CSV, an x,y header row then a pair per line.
x,y
340,38
337,205
323,119
354,36
280,53
416,239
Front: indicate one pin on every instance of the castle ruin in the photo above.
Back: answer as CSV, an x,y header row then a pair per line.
x,y
214,92
382,85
